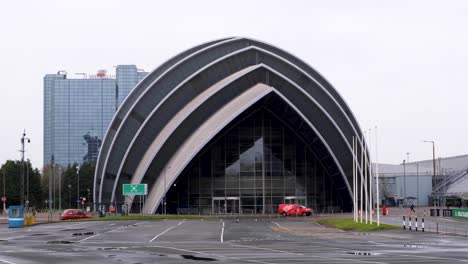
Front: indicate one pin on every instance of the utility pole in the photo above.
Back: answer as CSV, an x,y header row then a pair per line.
x,y
23,138
60,188
4,193
51,175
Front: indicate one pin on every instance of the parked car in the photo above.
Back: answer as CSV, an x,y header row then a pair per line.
x,y
294,209
71,214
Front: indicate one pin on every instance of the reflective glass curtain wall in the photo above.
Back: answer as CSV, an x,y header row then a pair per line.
x,y
250,168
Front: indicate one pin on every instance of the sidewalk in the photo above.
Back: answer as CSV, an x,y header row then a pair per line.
x,y
40,218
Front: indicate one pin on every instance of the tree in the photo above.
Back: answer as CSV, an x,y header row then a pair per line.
x,y
12,171
70,183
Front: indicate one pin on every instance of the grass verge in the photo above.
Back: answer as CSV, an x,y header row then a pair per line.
x,y
142,217
349,224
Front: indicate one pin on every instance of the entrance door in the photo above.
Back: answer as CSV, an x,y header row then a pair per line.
x,y
232,205
219,205
226,205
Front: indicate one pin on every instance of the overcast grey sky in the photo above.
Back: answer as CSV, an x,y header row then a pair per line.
x,y
401,65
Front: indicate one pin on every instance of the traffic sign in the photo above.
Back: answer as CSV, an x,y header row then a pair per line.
x,y
135,189
3,198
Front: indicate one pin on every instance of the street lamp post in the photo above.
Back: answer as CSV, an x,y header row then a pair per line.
x,y
78,187
69,195
60,188
404,182
434,172
23,139
51,175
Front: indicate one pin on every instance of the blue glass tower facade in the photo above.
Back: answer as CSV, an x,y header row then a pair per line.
x,y
77,112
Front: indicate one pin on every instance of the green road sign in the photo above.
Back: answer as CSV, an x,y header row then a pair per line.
x,y
135,189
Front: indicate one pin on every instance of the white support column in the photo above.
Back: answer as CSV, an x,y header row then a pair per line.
x,y
370,179
354,184
366,194
377,177
362,178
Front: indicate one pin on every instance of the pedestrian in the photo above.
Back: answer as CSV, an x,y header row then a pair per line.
x,y
412,208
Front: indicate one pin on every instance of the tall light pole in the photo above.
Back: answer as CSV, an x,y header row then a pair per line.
x,y
4,193
69,195
23,139
434,172
377,176
78,187
60,188
404,182
51,175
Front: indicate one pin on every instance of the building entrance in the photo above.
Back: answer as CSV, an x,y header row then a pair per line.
x,y
226,205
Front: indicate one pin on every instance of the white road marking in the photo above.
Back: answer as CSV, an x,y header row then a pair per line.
x,y
84,239
8,238
165,231
429,257
222,234
6,261
276,223
268,249
115,229
214,255
315,256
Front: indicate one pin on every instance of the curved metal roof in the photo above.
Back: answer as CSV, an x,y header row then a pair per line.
x,y
160,116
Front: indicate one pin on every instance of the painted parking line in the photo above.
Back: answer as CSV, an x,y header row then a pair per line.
x,y
84,239
214,255
115,229
165,231
267,249
429,257
6,261
222,234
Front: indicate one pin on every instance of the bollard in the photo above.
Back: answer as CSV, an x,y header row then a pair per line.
x,y
410,223
416,223
404,223
437,227
422,225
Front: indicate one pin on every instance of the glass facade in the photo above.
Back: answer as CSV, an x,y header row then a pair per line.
x,y
77,113
251,167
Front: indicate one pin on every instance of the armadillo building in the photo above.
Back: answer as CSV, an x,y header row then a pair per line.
x,y
230,126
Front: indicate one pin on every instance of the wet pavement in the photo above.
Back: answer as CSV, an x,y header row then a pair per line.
x,y
247,240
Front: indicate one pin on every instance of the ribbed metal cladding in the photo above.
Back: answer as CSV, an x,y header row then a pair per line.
x,y
153,104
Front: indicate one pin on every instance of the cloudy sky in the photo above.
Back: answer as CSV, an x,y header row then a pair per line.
x,y
400,65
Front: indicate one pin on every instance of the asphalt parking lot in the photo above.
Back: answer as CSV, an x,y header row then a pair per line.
x,y
249,240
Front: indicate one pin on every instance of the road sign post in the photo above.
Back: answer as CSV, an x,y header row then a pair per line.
x,y
135,189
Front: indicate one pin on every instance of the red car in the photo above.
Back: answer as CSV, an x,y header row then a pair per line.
x,y
71,214
294,209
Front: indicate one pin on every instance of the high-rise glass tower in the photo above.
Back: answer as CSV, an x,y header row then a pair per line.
x,y
77,112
